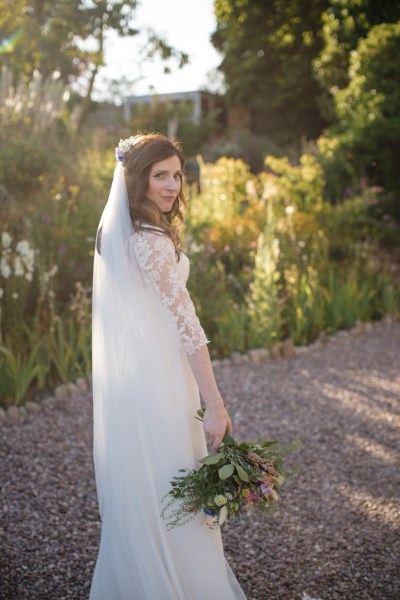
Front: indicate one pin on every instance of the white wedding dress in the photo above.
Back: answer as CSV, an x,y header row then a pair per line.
x,y
145,403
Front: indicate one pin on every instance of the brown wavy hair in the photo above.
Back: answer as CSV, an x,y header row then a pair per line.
x,y
147,149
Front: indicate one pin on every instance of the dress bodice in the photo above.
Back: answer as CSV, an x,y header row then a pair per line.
x,y
183,267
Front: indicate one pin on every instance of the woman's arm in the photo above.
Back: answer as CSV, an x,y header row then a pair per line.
x,y
155,254
216,419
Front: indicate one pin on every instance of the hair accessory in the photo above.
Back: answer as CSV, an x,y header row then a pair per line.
x,y
123,148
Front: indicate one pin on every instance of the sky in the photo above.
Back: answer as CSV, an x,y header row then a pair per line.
x,y
185,24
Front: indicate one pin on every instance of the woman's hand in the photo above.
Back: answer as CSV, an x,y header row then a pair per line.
x,y
216,423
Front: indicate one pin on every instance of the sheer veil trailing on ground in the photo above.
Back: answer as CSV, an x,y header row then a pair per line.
x,y
145,398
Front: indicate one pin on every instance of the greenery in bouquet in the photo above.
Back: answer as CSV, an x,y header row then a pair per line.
x,y
232,480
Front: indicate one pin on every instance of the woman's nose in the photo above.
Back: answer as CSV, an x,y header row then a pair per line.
x,y
172,184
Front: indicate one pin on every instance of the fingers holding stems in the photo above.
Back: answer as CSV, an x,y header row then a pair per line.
x,y
216,423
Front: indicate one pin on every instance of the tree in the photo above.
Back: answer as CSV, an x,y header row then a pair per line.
x,y
367,133
344,23
68,36
268,49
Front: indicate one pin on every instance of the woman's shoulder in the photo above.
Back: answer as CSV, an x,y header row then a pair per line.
x,y
150,238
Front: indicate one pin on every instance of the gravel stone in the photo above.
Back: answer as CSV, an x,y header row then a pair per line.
x,y
61,392
82,385
13,412
336,535
288,348
275,351
32,407
255,355
236,358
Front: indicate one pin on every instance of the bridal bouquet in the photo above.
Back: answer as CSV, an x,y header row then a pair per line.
x,y
236,478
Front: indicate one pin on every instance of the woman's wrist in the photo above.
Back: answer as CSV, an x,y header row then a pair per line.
x,y
214,403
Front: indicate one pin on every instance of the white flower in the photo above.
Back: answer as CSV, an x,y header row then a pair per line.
x,y
23,247
18,267
223,513
275,248
5,239
53,271
220,500
14,295
251,189
27,254
5,268
28,276
289,210
1,293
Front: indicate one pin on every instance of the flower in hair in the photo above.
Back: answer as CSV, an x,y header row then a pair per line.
x,y
123,148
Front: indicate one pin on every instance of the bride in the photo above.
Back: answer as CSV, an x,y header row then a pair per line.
x,y
150,361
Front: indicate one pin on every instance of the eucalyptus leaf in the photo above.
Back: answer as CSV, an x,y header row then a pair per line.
x,y
211,459
226,471
228,440
242,473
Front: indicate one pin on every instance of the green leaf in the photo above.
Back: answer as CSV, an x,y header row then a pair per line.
x,y
242,473
212,459
226,471
201,412
266,444
228,440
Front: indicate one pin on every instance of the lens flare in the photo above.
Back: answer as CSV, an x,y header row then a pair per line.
x,y
7,45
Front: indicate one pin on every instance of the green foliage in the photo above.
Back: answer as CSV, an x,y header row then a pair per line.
x,y
53,34
68,37
286,62
19,370
271,259
268,49
231,329
263,302
301,185
51,203
344,24
364,145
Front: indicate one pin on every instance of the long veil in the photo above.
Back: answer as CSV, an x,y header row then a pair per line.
x,y
125,349
139,387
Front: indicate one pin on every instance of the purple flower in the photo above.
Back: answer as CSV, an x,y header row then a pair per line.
x,y
265,489
46,219
120,155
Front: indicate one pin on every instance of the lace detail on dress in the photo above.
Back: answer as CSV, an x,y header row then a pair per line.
x,y
158,265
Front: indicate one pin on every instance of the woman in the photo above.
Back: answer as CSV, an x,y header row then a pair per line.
x,y
150,359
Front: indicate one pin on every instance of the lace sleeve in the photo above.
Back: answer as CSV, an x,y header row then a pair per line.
x,y
155,254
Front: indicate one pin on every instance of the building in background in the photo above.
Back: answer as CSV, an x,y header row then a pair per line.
x,y
201,103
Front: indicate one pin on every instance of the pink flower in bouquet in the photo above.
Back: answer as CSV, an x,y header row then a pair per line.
x,y
265,489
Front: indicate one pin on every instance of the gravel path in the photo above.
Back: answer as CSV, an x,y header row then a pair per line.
x,y
337,534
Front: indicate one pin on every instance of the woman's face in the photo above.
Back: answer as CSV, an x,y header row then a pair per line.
x,y
165,182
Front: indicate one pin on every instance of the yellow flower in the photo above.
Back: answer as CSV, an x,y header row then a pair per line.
x,y
246,492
